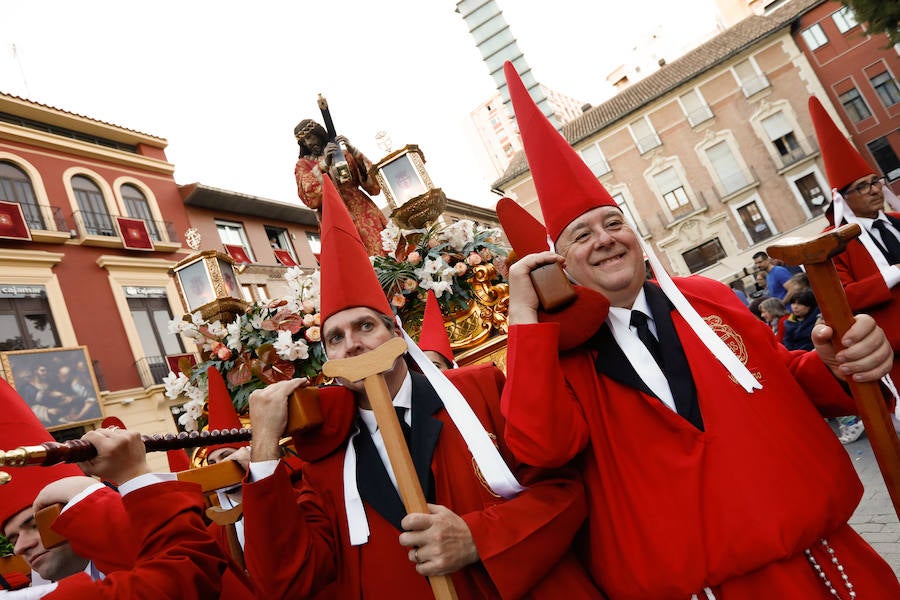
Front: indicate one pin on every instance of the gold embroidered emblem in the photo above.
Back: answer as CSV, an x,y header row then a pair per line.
x,y
479,475
732,339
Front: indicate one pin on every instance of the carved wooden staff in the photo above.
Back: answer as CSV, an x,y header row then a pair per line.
x,y
303,413
816,255
370,368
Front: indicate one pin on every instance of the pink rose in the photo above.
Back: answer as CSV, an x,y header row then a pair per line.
x,y
414,258
460,268
473,259
308,306
317,318
432,243
308,320
398,300
221,350
410,284
313,334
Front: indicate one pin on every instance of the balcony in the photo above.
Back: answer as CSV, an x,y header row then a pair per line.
x,y
152,370
731,185
684,213
46,223
99,229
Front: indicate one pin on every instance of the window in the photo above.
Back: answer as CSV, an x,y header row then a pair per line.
x,y
15,186
93,215
812,194
233,234
704,255
26,321
644,135
136,206
672,190
593,157
845,19
754,222
886,158
695,108
886,88
726,167
151,317
855,105
782,136
280,240
749,77
814,37
315,243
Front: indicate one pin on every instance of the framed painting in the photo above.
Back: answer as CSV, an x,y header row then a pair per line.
x,y
58,384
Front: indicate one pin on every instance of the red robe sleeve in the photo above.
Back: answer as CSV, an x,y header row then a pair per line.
x,y
177,557
545,426
309,183
291,555
98,528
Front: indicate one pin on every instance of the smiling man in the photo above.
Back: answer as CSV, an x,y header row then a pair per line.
x,y
709,471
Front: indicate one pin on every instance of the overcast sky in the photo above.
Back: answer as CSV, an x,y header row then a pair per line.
x,y
225,82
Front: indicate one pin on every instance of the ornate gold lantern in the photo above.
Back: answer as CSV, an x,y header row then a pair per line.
x,y
207,284
408,189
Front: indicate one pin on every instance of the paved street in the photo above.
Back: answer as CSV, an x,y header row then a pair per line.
x,y
875,518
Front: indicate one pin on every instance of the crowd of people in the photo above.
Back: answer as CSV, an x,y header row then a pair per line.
x,y
626,466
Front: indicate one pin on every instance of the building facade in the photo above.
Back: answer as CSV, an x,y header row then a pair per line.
x,y
714,156
91,223
859,74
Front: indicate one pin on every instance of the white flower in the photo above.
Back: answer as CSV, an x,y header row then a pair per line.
x,y
176,326
256,322
293,273
187,422
233,340
390,236
175,384
217,329
197,320
195,393
288,349
440,287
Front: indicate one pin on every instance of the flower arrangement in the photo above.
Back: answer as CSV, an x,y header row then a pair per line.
x,y
272,341
439,258
6,547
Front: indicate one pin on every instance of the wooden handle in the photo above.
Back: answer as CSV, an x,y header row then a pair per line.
x,y
829,292
369,368
43,520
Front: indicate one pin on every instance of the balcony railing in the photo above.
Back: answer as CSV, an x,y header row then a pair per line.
x,y
152,370
101,224
39,216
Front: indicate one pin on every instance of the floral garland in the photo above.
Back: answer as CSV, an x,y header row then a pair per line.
x,y
439,258
272,341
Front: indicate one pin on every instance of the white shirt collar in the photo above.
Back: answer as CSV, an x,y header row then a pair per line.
x,y
620,318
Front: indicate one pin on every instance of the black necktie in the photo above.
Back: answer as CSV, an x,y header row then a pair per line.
x,y
401,416
639,322
889,241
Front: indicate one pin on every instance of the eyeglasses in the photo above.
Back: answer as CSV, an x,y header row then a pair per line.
x,y
866,186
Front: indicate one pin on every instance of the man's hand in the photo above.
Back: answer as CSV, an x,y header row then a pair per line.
x,y
523,300
441,541
241,456
268,413
61,491
120,455
866,355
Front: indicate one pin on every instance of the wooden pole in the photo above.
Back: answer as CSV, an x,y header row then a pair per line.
x,y
816,255
369,368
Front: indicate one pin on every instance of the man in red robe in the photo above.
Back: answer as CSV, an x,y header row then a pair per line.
x,y
347,528
170,554
709,470
870,266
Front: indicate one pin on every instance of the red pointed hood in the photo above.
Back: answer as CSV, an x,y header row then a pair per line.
x,y
20,427
348,279
566,187
434,335
843,163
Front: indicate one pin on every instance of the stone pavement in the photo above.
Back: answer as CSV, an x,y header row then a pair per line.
x,y
875,519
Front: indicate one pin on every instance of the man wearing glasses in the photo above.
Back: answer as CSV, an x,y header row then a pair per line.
x,y
870,266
